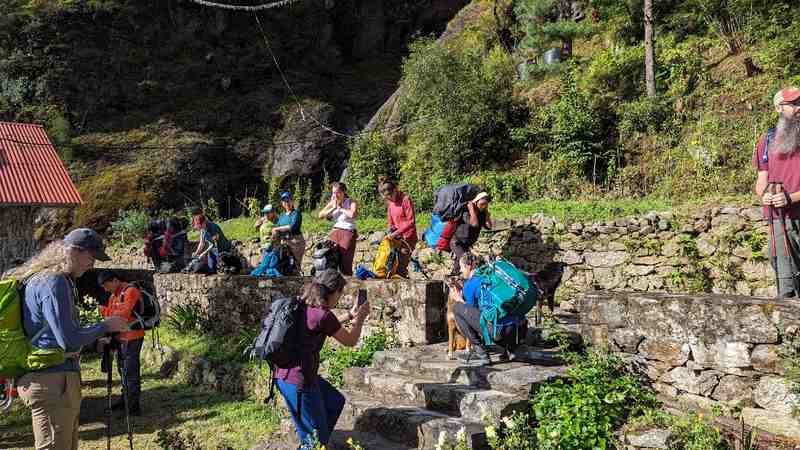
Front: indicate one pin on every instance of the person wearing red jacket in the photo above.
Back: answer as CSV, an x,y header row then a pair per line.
x,y
402,222
123,302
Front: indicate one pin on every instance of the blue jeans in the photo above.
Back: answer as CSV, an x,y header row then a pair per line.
x,y
320,407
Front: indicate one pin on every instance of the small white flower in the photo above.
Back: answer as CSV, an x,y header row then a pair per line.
x,y
461,435
510,424
442,440
491,433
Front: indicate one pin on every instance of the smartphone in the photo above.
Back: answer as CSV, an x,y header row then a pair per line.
x,y
362,296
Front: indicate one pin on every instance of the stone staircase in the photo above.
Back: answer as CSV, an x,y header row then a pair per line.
x,y
409,396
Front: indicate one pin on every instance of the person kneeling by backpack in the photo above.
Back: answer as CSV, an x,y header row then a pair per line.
x,y
123,302
315,405
466,310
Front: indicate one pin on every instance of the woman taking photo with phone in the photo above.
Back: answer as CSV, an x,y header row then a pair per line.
x,y
314,404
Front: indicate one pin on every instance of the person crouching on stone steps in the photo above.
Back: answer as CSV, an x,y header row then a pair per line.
x,y
314,404
402,222
53,393
777,160
123,302
466,309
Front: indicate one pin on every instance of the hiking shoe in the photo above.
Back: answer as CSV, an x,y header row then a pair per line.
x,y
475,357
505,356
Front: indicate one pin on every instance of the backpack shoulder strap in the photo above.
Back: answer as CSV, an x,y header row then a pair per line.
x,y
768,138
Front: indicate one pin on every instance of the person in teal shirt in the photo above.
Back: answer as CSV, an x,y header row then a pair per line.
x,y
288,228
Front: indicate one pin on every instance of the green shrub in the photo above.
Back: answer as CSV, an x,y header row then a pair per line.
x,y
185,318
114,189
340,358
465,108
618,70
583,409
130,226
371,157
644,115
694,431
789,353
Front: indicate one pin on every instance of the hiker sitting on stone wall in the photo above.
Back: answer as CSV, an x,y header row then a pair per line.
x,y
777,160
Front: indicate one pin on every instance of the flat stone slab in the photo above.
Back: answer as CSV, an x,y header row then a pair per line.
x,y
408,425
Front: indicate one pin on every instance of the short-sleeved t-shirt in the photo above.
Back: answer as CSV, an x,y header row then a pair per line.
x,y
321,323
781,167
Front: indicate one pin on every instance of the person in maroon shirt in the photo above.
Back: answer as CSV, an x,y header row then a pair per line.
x,y
314,404
777,160
402,222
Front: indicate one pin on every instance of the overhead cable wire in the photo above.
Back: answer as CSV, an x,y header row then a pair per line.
x,y
253,8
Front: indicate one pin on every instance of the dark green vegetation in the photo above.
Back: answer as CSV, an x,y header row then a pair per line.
x,y
583,128
155,107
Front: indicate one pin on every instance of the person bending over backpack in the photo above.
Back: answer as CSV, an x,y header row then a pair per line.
x,y
212,240
48,314
402,222
466,310
342,210
123,302
474,219
314,404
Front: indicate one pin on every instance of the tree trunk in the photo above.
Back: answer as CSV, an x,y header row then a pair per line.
x,y
566,48
750,68
649,71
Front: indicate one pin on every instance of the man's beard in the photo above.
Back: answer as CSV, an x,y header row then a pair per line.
x,y
787,135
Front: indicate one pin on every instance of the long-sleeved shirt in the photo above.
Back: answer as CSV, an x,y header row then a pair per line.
x,y
294,219
50,300
122,303
400,215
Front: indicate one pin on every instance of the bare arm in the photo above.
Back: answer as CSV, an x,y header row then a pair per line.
x,y
349,338
488,225
473,214
760,188
351,212
327,210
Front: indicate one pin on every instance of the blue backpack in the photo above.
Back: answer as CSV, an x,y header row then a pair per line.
x,y
432,233
505,293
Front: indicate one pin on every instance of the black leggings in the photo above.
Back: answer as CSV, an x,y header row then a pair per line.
x,y
468,320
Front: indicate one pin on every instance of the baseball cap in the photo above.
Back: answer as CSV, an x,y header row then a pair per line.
x,y
786,95
106,275
267,209
286,196
331,279
481,196
87,239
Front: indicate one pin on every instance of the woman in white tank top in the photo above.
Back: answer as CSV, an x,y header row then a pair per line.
x,y
342,210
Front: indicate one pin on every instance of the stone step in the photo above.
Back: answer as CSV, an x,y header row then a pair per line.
x,y
408,425
338,441
461,400
429,365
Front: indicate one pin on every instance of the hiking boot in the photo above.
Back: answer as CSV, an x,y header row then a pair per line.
x,y
505,356
476,357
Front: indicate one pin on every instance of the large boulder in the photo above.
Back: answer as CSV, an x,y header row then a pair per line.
x,y
775,394
304,143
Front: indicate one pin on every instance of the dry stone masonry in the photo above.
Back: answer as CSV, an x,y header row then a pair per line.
x,y
703,350
720,250
412,311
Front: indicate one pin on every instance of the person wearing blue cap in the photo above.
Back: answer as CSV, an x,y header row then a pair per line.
x,y
53,392
288,228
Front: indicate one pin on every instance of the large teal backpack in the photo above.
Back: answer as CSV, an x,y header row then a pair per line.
x,y
505,291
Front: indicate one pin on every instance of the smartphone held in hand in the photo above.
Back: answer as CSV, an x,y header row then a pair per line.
x,y
362,296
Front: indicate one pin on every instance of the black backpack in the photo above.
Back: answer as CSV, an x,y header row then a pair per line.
x,y
326,256
280,342
147,311
287,265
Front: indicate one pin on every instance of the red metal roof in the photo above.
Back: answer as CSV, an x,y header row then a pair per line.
x,y
30,171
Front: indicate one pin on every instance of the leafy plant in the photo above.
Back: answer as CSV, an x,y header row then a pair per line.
x,y
88,313
789,353
693,431
515,432
252,207
582,410
371,157
460,442
130,226
338,359
186,317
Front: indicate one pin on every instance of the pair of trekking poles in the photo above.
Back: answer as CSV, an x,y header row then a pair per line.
x,y
106,366
780,213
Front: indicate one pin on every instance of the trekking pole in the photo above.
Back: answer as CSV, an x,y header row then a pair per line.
x,y
124,373
105,366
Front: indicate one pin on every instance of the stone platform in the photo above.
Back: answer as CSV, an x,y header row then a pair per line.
x,y
411,310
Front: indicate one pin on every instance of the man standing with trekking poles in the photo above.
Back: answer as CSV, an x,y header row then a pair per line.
x,y
777,160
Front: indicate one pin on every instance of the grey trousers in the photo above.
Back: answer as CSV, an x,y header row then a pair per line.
x,y
782,262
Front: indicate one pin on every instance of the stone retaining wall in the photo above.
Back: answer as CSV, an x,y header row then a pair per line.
x,y
706,350
718,250
17,241
412,311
